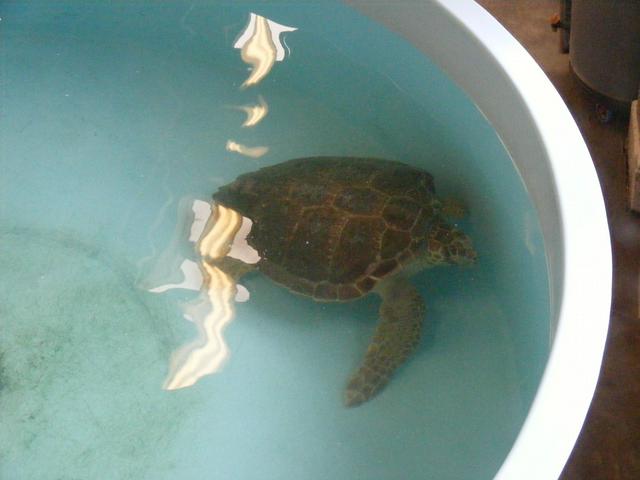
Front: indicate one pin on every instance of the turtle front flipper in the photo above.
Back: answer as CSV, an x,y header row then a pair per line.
x,y
396,336
453,209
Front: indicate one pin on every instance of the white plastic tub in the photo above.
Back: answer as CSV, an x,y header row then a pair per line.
x,y
537,129
116,124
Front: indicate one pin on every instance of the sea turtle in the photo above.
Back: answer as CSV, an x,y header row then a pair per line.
x,y
336,229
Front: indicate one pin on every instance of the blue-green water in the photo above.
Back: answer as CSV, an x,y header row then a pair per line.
x,y
114,116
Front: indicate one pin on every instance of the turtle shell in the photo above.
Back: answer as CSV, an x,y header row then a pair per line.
x,y
330,227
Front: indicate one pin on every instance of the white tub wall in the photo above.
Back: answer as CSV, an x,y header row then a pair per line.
x,y
547,148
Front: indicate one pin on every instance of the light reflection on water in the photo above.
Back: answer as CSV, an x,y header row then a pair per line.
x,y
255,113
253,152
222,234
261,46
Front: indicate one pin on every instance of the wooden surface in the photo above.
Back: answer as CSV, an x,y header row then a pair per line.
x,y
633,158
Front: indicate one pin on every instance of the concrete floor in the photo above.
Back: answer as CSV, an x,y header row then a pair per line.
x,y
609,445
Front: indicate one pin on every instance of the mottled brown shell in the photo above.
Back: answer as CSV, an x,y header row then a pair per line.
x,y
331,228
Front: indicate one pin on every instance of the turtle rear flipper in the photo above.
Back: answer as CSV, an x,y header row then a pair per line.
x,y
396,336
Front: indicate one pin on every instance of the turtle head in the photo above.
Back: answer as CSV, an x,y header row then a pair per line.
x,y
448,245
460,249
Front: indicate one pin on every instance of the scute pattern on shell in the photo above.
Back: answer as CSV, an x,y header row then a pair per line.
x,y
332,227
